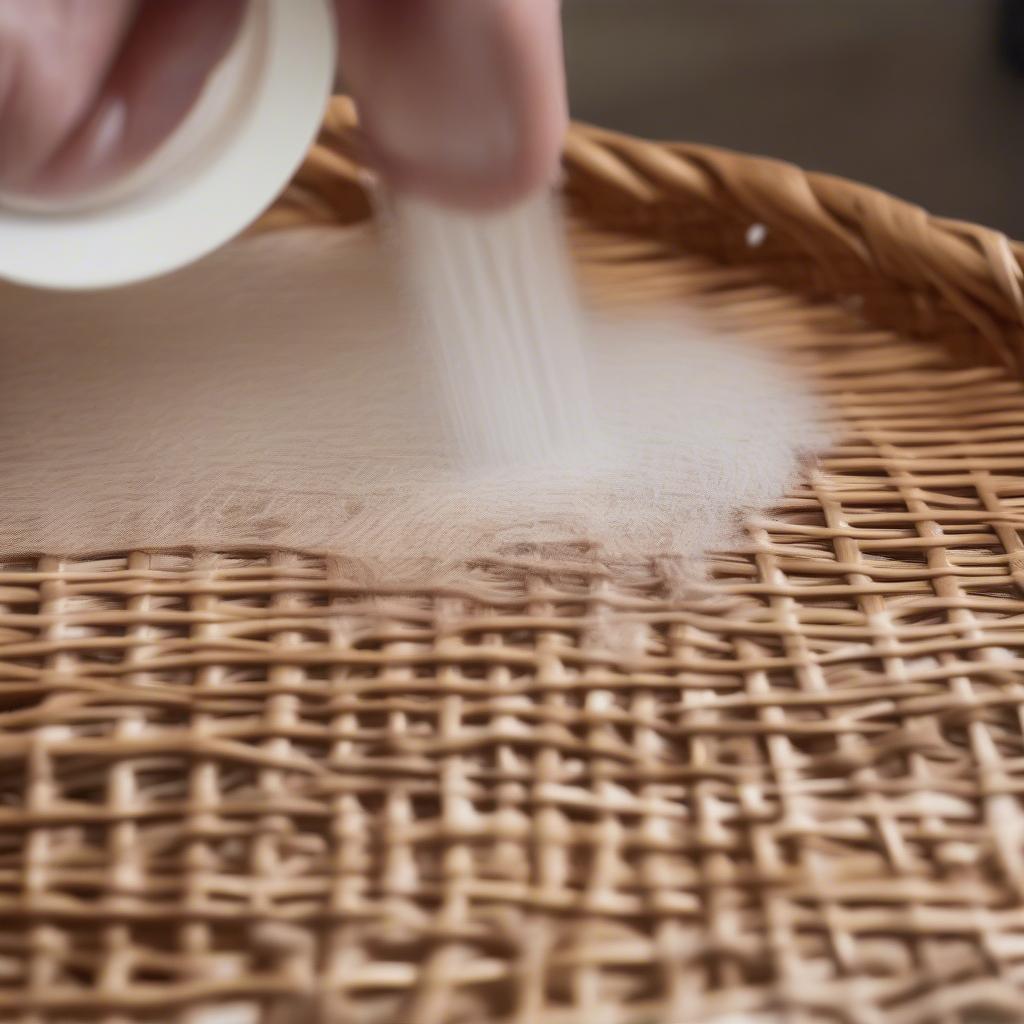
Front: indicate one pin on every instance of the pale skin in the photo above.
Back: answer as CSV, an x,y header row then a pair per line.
x,y
461,100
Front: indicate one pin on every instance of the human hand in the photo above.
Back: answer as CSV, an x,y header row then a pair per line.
x,y
89,88
461,99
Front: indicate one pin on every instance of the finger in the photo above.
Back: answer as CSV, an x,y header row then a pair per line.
x,y
54,55
167,57
463,100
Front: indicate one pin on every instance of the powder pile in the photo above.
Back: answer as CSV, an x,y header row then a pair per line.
x,y
292,390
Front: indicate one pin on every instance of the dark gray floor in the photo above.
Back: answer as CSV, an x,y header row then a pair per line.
x,y
908,95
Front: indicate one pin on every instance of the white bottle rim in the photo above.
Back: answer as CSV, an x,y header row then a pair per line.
x,y
226,163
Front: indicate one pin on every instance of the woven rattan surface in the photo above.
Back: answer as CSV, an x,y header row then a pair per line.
x,y
235,787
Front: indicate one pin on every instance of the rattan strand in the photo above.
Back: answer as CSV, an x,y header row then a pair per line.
x,y
236,787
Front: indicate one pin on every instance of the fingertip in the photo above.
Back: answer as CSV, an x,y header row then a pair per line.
x,y
461,100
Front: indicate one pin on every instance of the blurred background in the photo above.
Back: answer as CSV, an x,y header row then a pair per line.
x,y
919,97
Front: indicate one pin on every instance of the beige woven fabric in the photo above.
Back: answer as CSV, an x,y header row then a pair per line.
x,y
236,787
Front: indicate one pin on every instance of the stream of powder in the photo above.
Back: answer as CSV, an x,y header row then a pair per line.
x,y
506,330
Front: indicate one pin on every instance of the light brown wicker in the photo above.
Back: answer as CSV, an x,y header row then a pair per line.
x,y
237,788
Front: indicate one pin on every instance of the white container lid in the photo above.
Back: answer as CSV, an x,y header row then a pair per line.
x,y
227,162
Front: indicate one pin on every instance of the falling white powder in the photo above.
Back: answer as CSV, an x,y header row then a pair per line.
x,y
505,329
281,393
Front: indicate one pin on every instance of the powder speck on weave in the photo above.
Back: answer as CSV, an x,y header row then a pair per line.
x,y
288,391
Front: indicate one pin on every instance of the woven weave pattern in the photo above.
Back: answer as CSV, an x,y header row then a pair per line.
x,y
237,787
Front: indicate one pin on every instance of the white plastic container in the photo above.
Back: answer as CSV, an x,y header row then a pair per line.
x,y
226,163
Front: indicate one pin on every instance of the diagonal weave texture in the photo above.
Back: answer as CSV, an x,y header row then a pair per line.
x,y
237,788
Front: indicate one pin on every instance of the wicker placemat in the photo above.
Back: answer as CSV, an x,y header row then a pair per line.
x,y
235,787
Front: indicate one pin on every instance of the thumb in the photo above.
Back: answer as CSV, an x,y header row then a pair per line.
x,y
95,86
54,55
